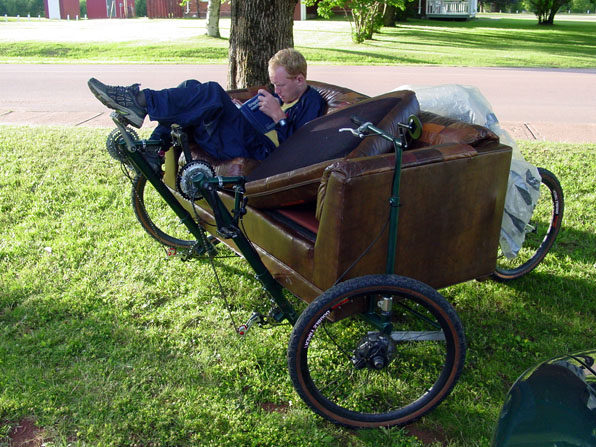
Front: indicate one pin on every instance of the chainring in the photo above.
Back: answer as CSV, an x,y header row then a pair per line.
x,y
116,146
184,183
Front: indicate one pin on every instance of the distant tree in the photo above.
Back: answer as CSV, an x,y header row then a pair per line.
x,y
366,16
22,7
259,28
141,8
213,8
546,10
583,6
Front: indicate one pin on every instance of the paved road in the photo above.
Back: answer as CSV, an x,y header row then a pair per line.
x,y
539,104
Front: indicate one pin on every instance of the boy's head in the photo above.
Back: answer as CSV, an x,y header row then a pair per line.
x,y
287,73
291,59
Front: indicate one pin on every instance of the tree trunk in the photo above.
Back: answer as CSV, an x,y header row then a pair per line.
x,y
213,18
258,30
553,11
389,14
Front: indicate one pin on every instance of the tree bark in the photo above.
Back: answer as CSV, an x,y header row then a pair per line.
x,y
389,14
259,29
213,8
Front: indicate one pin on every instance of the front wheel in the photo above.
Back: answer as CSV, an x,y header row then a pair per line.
x,y
541,232
156,217
375,351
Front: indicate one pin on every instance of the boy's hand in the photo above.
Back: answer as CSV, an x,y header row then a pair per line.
x,y
269,105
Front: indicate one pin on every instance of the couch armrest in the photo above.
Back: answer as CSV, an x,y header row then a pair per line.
x,y
438,129
386,163
288,188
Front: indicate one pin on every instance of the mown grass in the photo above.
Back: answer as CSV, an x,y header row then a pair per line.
x,y
485,41
104,341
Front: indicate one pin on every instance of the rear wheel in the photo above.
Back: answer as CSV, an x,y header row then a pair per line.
x,y
355,371
156,217
541,232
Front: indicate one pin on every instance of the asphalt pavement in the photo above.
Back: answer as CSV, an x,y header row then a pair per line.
x,y
532,104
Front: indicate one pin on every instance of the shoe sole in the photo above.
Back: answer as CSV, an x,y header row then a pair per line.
x,y
130,116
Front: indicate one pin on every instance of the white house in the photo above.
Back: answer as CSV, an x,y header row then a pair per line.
x,y
457,9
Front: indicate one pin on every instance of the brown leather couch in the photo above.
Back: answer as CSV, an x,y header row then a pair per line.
x,y
312,224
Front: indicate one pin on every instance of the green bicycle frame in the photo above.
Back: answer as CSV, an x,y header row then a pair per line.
x,y
228,222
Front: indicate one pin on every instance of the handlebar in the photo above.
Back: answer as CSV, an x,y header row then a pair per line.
x,y
366,129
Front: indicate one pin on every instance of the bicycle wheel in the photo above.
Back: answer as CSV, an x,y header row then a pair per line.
x,y
541,232
353,374
156,217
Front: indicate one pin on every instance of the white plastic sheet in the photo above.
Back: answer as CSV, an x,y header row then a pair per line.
x,y
467,104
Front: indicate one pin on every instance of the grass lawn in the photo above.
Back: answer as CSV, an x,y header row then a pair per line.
x,y
486,41
105,342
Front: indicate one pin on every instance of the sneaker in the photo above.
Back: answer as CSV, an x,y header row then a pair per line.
x,y
121,99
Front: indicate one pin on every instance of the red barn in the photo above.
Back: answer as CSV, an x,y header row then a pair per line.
x,y
164,9
198,8
61,9
105,9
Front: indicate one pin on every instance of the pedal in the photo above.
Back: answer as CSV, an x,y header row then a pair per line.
x,y
254,318
195,252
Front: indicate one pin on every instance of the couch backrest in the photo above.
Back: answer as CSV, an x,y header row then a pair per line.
x,y
337,97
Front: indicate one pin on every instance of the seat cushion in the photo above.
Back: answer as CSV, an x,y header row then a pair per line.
x,y
238,166
320,139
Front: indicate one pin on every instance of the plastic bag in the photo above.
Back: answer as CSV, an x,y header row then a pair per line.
x,y
467,104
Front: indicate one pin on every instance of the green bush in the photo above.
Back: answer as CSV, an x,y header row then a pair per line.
x,y
582,6
140,8
22,7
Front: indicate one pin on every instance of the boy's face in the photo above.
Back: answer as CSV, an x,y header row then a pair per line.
x,y
287,88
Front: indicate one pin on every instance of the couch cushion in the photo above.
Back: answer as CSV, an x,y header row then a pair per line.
x,y
280,179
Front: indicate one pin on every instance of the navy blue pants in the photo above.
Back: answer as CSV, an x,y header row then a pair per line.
x,y
206,111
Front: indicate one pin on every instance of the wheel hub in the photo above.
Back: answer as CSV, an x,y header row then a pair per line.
x,y
374,351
